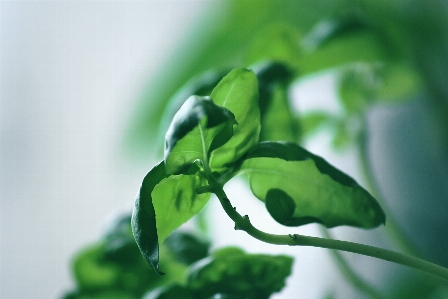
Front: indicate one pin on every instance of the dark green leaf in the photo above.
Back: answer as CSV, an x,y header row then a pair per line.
x,y
199,124
186,247
321,193
232,272
144,217
238,92
103,294
120,245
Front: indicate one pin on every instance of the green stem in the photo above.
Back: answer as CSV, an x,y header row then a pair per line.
x,y
243,223
391,227
350,275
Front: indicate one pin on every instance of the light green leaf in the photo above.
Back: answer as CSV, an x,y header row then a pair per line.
x,y
238,92
356,89
279,43
320,192
311,122
340,41
176,201
198,125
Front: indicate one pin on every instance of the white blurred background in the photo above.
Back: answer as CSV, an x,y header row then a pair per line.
x,y
70,76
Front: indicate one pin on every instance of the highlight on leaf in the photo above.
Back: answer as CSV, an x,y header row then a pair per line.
x,y
184,140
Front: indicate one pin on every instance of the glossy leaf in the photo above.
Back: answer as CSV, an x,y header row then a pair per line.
x,y
185,141
201,85
320,192
233,272
238,92
144,217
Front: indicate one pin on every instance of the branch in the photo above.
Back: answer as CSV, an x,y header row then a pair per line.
x,y
243,223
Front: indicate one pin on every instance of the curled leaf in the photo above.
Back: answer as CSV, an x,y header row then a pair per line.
x,y
144,217
184,140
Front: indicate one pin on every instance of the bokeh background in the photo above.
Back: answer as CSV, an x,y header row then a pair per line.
x,y
77,77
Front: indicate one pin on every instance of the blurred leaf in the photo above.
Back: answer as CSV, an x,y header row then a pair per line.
x,y
279,43
186,247
234,273
311,122
238,92
105,294
120,245
185,141
344,40
91,271
171,292
398,83
144,217
277,121
215,42
356,88
321,193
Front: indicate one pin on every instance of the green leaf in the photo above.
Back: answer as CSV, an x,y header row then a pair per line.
x,y
398,83
356,88
176,201
340,41
144,217
186,247
279,43
171,292
278,122
91,272
277,119
199,124
201,85
238,92
233,272
311,122
320,192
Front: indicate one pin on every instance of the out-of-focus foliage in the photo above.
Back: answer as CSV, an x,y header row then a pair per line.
x,y
231,273
113,268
